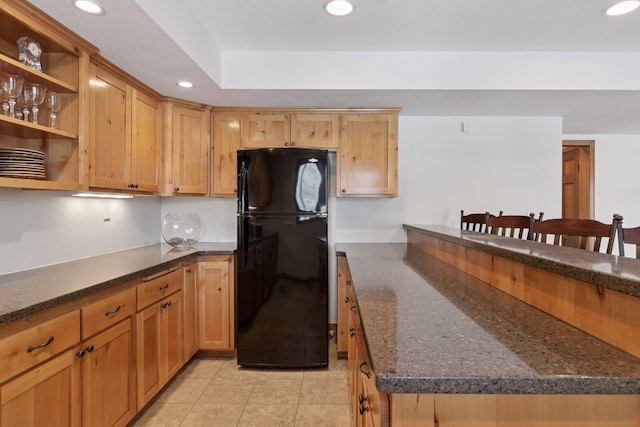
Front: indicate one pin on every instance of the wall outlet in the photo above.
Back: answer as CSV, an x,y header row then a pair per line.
x,y
107,213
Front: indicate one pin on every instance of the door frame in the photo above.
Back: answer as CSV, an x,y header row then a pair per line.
x,y
589,146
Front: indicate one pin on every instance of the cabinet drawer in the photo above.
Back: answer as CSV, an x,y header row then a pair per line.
x,y
159,287
108,311
25,349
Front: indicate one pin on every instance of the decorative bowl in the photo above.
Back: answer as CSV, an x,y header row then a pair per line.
x,y
181,230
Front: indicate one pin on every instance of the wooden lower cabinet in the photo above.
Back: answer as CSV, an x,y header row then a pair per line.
x,y
473,410
48,395
216,303
107,363
345,300
190,296
159,345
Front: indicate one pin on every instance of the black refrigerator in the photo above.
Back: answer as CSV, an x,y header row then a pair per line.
x,y
282,273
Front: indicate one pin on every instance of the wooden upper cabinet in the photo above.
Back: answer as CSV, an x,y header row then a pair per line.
x,y
368,155
110,130
145,144
265,130
124,148
290,130
188,142
315,130
226,131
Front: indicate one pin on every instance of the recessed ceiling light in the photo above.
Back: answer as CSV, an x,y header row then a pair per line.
x,y
88,6
339,7
185,84
621,8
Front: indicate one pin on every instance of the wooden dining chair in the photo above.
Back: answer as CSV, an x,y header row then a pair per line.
x,y
576,233
517,226
628,236
475,222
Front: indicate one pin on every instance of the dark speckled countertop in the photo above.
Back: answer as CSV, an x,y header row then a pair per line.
x,y
618,273
31,291
431,328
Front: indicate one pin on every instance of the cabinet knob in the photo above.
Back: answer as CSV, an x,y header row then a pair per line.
x,y
343,191
176,189
80,353
130,186
90,349
346,299
293,143
135,185
286,144
352,332
188,270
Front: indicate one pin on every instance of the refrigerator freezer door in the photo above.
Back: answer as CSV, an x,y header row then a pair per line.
x,y
282,181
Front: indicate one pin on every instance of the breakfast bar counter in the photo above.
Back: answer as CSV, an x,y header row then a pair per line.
x,y
431,328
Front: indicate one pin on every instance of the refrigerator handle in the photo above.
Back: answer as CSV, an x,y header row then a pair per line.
x,y
243,196
244,238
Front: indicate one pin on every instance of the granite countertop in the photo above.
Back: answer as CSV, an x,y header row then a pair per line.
x,y
28,292
614,272
431,328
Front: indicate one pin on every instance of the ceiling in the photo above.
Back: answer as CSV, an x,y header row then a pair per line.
x,y
210,42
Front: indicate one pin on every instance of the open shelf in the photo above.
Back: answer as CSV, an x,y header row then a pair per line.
x,y
27,130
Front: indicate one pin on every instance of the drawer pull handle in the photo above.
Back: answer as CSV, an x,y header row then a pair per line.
x,y
346,300
188,270
114,311
44,344
166,304
352,332
163,287
368,374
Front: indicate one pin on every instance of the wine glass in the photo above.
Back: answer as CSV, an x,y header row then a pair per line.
x,y
54,103
36,97
5,102
12,86
27,100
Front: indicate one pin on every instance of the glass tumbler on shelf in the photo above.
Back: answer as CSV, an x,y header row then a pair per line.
x,y
35,95
54,103
11,87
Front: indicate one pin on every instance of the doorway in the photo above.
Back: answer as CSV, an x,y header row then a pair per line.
x,y
578,179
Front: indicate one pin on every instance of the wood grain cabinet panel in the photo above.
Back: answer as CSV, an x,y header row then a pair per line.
x,y
124,151
216,304
226,131
187,146
190,295
368,155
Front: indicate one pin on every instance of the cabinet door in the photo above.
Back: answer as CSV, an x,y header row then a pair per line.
x,y
172,337
149,331
368,155
266,130
215,305
110,131
48,395
145,143
226,143
159,345
190,150
190,292
315,130
344,299
108,377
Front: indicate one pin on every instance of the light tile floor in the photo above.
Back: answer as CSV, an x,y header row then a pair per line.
x,y
217,392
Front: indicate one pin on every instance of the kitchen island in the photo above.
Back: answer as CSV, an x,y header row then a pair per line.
x,y
447,347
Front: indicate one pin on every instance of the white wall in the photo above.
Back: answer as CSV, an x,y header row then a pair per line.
x,y
617,181
47,227
510,164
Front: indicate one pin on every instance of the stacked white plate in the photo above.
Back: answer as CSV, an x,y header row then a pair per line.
x,y
22,163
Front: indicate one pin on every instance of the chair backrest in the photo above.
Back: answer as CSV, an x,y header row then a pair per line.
x,y
628,235
517,226
475,222
576,233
